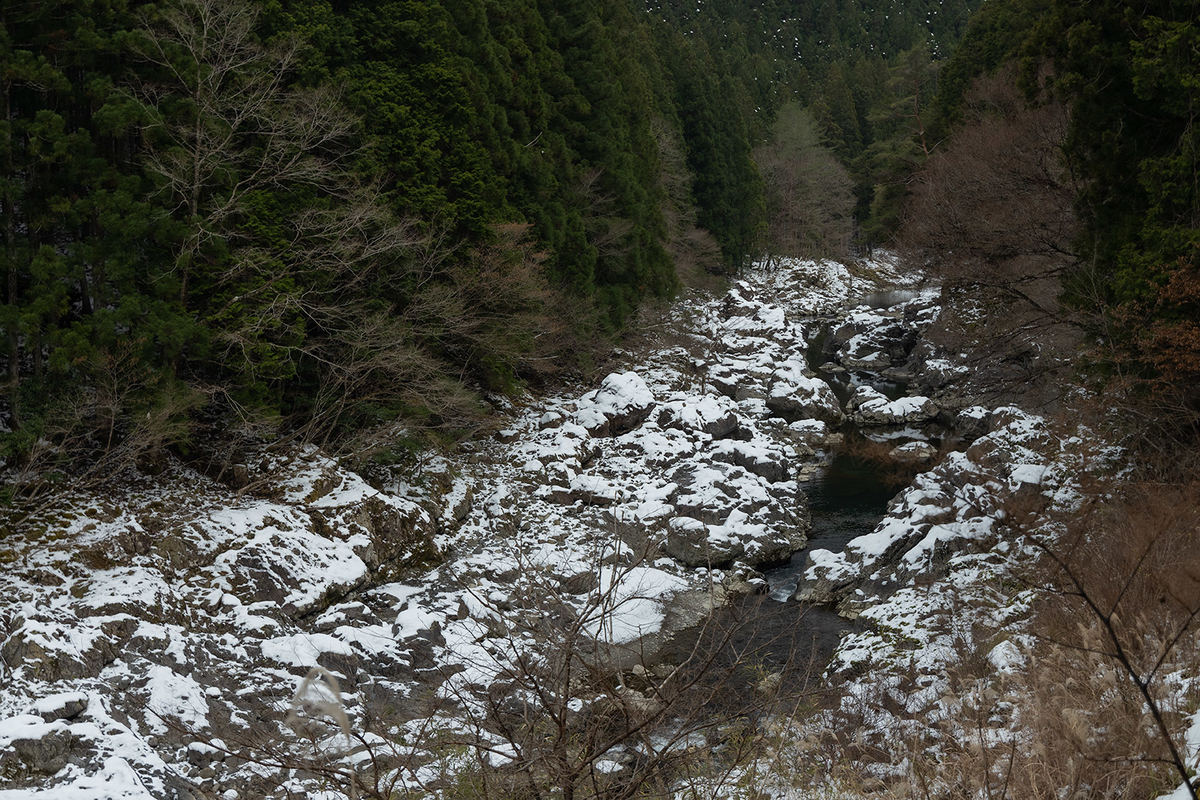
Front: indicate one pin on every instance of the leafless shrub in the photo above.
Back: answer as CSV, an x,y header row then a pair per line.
x,y
575,713
808,192
1118,634
123,416
992,216
1098,709
694,251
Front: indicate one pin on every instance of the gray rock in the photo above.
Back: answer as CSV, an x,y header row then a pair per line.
x,y
776,547
344,665
462,507
401,538
873,342
691,543
621,404
709,418
766,463
973,423
55,665
914,452
508,435
42,755
180,553
813,400
65,706
870,407
241,476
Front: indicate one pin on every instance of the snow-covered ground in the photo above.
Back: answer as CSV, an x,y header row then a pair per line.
x,y
156,637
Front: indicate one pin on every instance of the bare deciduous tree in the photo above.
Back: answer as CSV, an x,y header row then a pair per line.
x,y
992,216
383,315
550,696
694,251
809,201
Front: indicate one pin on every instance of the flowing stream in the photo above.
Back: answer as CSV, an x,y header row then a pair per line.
x,y
847,498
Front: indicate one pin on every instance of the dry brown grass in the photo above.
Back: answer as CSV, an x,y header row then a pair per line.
x,y
1099,708
1098,712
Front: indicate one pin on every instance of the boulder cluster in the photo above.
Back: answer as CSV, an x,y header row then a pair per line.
x,y
155,631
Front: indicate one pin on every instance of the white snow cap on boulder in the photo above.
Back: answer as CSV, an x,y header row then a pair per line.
x,y
871,407
794,394
621,404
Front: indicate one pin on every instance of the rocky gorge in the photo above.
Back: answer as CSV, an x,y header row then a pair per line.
x,y
159,637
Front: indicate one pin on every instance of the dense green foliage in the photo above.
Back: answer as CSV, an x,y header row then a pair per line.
x,y
866,69
1128,77
335,214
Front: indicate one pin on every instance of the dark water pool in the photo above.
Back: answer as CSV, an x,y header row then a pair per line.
x,y
847,498
888,298
755,636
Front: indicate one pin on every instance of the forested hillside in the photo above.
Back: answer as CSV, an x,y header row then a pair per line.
x,y
1065,189
786,399
238,217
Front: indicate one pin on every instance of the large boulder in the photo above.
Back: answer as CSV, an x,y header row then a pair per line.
x,y
697,544
714,416
766,461
870,407
796,395
914,452
621,404
874,339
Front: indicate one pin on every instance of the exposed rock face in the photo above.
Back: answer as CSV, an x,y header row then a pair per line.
x,y
956,507
795,395
973,423
767,462
66,706
622,403
697,544
913,451
715,416
871,339
39,750
869,406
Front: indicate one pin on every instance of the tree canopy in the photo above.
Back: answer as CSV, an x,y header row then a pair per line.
x,y
287,211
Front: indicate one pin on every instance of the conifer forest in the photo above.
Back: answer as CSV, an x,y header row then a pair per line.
x,y
613,399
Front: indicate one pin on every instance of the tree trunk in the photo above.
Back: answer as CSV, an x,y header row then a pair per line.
x,y
10,294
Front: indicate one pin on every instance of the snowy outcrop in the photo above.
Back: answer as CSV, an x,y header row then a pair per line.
x,y
713,415
878,339
794,394
622,403
913,451
869,406
956,507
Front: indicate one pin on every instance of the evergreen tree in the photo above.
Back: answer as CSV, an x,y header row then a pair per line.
x,y
82,281
809,202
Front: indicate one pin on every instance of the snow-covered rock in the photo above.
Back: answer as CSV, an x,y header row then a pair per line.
x,y
715,416
764,460
869,406
955,507
913,451
146,622
696,544
796,395
621,403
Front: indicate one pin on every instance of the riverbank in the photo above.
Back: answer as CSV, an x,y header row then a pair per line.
x,y
158,631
